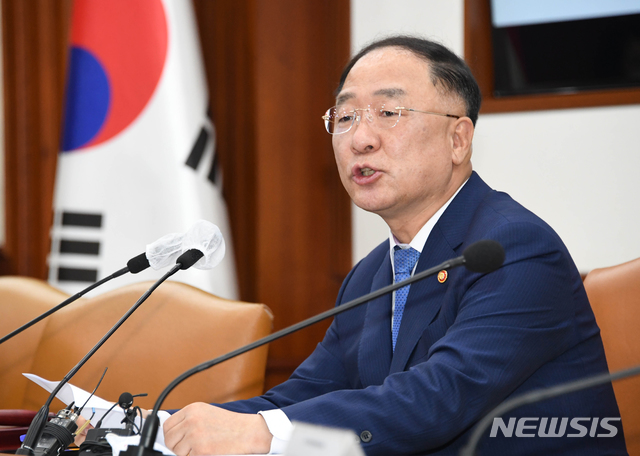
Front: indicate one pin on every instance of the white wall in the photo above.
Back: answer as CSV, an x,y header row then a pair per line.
x,y
576,168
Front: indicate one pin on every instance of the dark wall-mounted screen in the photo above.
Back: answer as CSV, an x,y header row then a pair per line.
x,y
553,55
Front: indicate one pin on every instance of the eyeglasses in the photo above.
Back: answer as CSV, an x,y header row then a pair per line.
x,y
338,120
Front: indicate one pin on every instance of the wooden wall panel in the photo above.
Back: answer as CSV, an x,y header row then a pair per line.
x,y
272,67
300,197
226,32
34,51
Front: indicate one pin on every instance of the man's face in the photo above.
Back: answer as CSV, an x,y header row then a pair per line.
x,y
406,171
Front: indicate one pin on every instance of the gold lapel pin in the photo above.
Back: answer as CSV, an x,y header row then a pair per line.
x,y
442,276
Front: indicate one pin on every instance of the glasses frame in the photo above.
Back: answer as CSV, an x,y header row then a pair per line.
x,y
370,118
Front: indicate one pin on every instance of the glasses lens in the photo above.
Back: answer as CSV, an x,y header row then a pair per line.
x,y
387,117
338,120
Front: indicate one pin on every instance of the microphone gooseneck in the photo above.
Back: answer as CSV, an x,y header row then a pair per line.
x,y
65,303
540,395
152,423
159,254
39,421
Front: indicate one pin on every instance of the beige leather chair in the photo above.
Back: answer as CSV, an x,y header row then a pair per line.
x,y
614,294
175,329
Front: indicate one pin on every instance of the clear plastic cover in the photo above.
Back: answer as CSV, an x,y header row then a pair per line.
x,y
206,237
165,251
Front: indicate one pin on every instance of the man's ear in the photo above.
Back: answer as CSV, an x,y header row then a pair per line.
x,y
461,140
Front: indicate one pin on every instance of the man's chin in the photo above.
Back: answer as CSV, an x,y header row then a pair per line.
x,y
375,207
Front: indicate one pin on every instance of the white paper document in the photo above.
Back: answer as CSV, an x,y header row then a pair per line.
x,y
70,393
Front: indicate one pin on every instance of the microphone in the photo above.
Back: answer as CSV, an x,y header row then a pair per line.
x,y
96,441
203,246
125,400
540,395
205,238
209,244
483,256
158,254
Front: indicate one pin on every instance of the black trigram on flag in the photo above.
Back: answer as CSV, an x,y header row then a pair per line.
x,y
79,236
199,150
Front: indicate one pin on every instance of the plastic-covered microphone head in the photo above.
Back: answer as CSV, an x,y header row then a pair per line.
x,y
207,238
164,251
138,263
189,258
483,256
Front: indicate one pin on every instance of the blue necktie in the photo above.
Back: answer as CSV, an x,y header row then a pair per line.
x,y
403,262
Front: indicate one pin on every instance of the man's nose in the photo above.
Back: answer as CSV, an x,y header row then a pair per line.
x,y
364,138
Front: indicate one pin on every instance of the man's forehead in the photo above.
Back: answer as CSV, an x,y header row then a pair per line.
x,y
389,92
385,72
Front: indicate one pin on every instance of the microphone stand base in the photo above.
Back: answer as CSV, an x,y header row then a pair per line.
x,y
96,443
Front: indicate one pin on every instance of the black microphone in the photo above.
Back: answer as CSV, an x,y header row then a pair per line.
x,y
158,254
34,433
96,442
125,400
483,256
540,395
189,258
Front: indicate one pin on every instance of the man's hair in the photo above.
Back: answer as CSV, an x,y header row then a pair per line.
x,y
448,71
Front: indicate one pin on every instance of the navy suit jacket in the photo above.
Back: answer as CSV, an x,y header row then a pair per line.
x,y
464,345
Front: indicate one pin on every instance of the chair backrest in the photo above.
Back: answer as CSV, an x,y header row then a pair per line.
x,y
614,293
177,328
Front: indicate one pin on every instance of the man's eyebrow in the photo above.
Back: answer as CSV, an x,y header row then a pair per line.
x,y
390,93
344,97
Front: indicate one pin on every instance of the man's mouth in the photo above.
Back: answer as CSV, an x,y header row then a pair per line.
x,y
366,172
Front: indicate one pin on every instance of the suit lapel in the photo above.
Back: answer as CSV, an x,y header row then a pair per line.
x,y
375,356
444,242
424,300
374,353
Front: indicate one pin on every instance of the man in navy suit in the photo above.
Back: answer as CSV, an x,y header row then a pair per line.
x,y
412,372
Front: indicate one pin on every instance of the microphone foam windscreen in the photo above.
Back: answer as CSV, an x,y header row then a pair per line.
x,y
138,263
125,400
483,256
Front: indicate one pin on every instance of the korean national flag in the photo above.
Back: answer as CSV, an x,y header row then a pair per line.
x,y
138,155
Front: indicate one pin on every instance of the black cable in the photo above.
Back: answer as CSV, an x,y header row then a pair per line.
x,y
93,392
